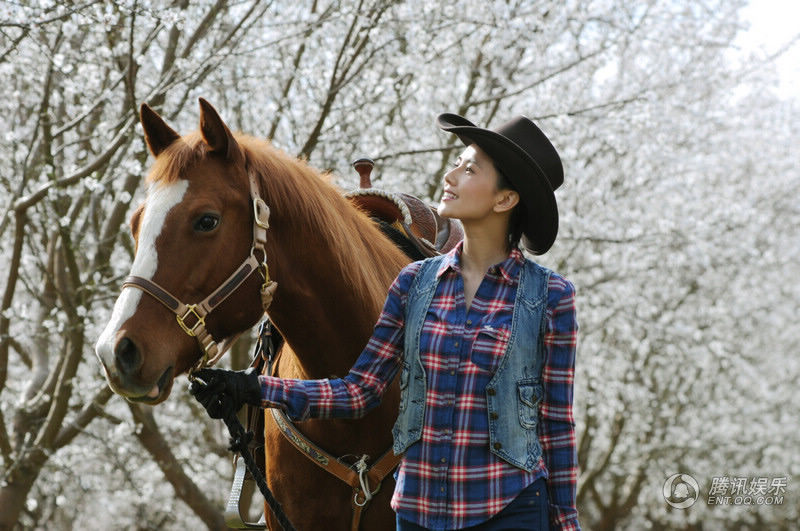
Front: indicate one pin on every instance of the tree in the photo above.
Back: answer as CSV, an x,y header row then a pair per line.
x,y
676,213
73,165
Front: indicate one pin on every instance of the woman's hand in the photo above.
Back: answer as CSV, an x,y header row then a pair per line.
x,y
223,392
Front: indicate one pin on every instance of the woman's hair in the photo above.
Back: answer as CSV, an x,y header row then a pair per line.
x,y
516,222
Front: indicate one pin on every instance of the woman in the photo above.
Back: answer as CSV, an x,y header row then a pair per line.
x,y
485,339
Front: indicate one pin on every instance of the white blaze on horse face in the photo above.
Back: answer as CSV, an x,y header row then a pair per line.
x,y
160,200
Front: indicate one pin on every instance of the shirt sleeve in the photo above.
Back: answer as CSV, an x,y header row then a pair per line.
x,y
361,390
557,435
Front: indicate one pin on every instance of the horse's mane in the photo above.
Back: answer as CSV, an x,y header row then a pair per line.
x,y
316,207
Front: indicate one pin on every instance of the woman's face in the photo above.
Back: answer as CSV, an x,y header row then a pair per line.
x,y
470,187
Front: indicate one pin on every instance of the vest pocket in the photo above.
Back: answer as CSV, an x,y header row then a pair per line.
x,y
404,385
530,393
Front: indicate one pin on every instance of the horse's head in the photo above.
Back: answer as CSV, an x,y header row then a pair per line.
x,y
193,231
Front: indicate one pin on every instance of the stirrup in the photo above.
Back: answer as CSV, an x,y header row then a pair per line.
x,y
233,515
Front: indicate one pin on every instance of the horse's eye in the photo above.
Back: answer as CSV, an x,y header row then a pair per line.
x,y
206,223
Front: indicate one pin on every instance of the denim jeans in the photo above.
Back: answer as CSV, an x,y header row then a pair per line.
x,y
528,511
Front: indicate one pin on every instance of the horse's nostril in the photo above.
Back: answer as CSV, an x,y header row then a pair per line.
x,y
127,356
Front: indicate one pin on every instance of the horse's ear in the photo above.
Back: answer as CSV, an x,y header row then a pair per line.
x,y
216,134
157,133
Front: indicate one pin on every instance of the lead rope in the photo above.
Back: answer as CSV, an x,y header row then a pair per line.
x,y
239,441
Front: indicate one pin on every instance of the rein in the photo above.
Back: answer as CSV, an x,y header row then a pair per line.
x,y
240,440
192,317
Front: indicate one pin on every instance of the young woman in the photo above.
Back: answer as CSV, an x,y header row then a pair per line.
x,y
485,340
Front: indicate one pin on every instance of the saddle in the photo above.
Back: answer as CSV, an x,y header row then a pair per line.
x,y
412,224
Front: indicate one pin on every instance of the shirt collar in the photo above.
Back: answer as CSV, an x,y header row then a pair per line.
x,y
508,268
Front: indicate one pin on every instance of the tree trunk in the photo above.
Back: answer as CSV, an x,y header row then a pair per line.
x,y
185,488
16,487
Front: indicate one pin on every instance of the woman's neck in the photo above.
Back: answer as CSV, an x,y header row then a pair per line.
x,y
483,248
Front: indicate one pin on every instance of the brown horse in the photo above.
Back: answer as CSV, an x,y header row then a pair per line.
x,y
333,268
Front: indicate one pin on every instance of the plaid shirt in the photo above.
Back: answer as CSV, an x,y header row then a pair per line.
x,y
450,479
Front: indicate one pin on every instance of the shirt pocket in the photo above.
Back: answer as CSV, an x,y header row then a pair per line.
x,y
489,347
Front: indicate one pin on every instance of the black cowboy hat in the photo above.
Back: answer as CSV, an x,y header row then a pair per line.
x,y
524,155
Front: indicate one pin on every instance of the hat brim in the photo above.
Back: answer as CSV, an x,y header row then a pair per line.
x,y
536,194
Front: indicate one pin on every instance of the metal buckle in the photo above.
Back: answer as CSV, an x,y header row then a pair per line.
x,y
261,212
190,309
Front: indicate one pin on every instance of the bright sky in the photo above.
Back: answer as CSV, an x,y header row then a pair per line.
x,y
773,25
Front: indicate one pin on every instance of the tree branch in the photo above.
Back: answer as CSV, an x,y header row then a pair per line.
x,y
121,138
91,410
546,77
8,297
159,449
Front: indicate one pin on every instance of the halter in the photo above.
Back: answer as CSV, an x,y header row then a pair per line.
x,y
191,317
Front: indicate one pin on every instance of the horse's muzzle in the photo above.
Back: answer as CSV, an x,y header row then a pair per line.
x,y
127,357
122,370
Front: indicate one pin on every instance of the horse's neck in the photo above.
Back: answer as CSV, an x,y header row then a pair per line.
x,y
326,320
322,346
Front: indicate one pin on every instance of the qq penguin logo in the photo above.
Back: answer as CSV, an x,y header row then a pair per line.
x,y
681,491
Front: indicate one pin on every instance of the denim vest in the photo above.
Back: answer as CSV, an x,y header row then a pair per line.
x,y
515,390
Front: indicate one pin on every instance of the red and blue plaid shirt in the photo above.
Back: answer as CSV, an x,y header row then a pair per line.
x,y
450,479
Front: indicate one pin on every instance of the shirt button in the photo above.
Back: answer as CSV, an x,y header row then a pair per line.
x,y
469,321
452,373
493,415
490,392
497,446
443,459
441,489
455,344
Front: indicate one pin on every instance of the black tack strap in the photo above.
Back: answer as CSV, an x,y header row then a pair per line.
x,y
239,440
